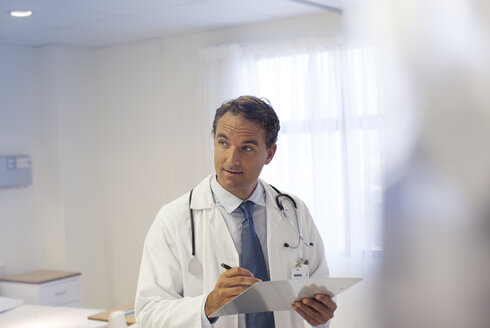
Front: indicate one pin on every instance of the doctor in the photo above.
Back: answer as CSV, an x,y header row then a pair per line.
x,y
235,220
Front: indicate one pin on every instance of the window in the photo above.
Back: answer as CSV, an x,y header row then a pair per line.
x,y
329,148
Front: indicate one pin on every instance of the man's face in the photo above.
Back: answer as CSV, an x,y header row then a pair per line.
x,y
240,153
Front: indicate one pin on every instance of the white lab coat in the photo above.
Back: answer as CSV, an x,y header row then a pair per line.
x,y
169,296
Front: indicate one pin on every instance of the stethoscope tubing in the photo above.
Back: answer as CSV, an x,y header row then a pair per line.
x,y
192,226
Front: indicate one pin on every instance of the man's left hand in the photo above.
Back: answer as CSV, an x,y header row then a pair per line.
x,y
316,311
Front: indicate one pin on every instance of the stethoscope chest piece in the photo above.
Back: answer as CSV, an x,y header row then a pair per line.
x,y
194,266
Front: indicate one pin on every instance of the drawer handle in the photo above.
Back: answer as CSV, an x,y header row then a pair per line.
x,y
63,292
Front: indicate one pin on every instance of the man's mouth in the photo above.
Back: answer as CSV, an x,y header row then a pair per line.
x,y
232,171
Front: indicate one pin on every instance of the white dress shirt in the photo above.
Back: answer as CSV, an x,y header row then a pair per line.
x,y
228,205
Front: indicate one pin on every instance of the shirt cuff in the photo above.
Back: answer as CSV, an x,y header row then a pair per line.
x,y
205,322
325,325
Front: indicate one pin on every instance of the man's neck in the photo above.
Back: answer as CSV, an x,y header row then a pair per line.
x,y
243,195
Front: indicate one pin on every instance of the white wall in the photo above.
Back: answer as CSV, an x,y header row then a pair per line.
x,y
133,158
47,161
19,216
112,134
74,228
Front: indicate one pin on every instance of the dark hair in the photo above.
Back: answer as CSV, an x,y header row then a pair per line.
x,y
258,110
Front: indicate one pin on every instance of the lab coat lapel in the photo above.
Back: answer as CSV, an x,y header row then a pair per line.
x,y
202,198
274,246
219,243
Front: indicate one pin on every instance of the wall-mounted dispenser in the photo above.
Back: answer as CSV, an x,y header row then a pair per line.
x,y
15,171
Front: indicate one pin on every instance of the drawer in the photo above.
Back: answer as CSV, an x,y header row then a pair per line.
x,y
72,304
60,292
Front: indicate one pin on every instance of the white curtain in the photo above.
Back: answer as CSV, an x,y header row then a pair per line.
x,y
329,147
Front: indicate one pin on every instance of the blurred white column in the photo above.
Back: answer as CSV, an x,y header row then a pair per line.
x,y
436,268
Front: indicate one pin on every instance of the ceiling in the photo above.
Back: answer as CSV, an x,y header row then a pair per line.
x,y
99,23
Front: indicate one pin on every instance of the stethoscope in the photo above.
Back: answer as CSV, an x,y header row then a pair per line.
x,y
283,211
195,266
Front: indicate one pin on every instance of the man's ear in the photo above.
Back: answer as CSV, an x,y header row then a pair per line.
x,y
270,153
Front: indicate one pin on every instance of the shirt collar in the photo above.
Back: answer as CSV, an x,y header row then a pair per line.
x,y
231,202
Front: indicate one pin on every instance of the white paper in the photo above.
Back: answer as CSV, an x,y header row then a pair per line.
x,y
279,295
7,303
46,316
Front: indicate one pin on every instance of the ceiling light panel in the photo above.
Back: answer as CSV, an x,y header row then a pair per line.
x,y
20,13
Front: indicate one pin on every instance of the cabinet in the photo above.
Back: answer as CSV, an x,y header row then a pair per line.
x,y
45,287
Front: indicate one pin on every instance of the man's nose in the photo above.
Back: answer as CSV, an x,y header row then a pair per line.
x,y
234,156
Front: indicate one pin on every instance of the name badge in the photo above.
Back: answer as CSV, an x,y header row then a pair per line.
x,y
300,272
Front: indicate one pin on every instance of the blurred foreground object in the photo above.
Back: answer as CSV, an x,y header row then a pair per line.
x,y
117,319
436,267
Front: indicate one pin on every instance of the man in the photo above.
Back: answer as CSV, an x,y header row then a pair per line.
x,y
231,217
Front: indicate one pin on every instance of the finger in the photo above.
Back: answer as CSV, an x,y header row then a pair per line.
x,y
237,271
237,281
230,293
313,313
323,312
305,306
327,301
301,309
316,305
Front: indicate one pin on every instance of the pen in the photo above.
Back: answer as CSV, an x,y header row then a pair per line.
x,y
225,266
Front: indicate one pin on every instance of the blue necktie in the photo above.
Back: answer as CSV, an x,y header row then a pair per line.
x,y
253,260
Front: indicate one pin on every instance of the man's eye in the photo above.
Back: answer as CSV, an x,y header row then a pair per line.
x,y
247,148
222,143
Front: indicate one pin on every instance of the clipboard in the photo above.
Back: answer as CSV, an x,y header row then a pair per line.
x,y
279,295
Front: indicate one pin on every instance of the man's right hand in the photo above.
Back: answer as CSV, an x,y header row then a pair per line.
x,y
230,284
